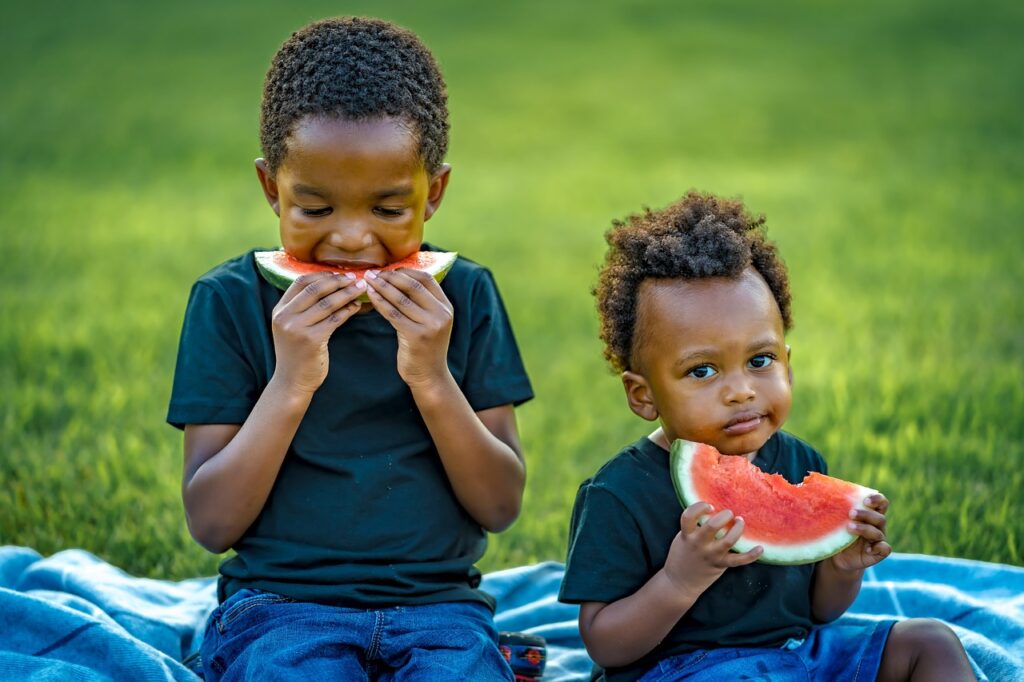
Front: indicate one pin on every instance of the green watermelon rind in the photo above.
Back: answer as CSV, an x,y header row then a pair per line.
x,y
282,278
681,458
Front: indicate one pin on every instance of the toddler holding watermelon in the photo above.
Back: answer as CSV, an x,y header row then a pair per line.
x,y
353,438
694,305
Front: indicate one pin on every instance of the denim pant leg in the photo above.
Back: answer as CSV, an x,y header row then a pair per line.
x,y
257,635
715,665
448,641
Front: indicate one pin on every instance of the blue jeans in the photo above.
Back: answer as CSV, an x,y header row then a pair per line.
x,y
837,652
256,635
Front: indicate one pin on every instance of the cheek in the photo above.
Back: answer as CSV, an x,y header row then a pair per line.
x,y
298,243
781,393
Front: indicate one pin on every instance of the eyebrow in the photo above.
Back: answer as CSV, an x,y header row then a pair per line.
x,y
306,189
397,191
694,356
762,343
702,353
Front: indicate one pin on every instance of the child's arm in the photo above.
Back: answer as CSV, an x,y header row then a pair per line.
x,y
479,450
620,632
837,579
230,469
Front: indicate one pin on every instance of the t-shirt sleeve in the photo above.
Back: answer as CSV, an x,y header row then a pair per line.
x,y
605,559
495,373
214,383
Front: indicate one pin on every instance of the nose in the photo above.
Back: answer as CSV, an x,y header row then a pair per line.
x,y
349,235
737,388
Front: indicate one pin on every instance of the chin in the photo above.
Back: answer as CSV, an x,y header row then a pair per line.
x,y
743,445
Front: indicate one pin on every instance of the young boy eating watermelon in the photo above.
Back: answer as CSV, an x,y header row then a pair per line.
x,y
353,455
694,305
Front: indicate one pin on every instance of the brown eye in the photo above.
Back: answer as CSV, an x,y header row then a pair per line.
x,y
314,212
761,361
702,372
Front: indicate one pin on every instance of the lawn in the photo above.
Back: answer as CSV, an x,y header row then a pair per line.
x,y
883,141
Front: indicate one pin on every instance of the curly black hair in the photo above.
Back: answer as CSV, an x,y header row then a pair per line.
x,y
355,68
699,236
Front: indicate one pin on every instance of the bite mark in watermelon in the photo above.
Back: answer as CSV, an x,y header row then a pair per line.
x,y
281,269
795,524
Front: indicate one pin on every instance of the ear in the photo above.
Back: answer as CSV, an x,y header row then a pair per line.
x,y
789,358
435,193
638,395
269,184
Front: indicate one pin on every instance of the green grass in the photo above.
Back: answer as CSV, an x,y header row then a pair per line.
x,y
883,142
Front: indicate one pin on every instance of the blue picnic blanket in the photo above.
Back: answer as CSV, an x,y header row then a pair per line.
x,y
72,616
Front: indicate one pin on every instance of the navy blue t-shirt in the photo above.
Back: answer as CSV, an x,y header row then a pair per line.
x,y
362,513
623,523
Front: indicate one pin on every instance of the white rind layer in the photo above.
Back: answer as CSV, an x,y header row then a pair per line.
x,y
802,553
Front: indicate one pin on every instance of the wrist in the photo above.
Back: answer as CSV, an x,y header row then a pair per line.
x,y
846,574
675,590
433,388
288,394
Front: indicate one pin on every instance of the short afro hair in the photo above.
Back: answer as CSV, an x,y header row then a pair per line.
x,y
699,236
354,68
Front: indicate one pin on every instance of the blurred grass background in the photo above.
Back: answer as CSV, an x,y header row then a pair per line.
x,y
882,140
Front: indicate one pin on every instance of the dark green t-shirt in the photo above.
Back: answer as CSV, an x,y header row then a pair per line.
x,y
362,513
624,520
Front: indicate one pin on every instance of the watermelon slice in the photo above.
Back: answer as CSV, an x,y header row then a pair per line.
x,y
281,269
795,524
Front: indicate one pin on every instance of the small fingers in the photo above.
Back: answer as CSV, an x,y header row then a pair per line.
x,y
419,286
879,549
866,531
715,527
306,290
868,516
734,559
733,534
878,502
297,285
332,302
692,515
401,302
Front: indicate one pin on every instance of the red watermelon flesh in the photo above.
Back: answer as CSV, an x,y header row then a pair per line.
x,y
281,269
795,524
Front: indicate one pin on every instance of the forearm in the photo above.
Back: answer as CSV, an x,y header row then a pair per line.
x,y
225,494
487,474
833,591
625,630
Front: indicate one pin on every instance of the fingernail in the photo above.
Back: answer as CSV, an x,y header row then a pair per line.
x,y
852,526
371,274
853,513
350,275
360,284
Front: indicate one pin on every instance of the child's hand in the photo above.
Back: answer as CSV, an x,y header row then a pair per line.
x,y
697,557
414,304
871,547
303,321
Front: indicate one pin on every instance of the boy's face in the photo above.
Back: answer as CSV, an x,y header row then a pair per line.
x,y
712,362
352,193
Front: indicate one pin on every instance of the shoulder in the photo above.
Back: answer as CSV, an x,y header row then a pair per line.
x,y
467,278
232,294
233,276
632,471
799,454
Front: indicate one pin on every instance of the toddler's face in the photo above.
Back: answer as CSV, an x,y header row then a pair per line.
x,y
713,361
352,193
